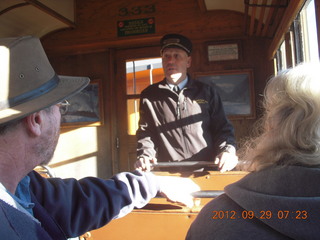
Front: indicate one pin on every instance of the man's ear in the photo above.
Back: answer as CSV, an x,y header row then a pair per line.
x,y
189,61
34,123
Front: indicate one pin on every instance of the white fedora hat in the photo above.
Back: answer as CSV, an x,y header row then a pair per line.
x,y
28,82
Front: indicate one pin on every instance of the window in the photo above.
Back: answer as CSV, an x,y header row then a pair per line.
x,y
140,73
304,41
281,57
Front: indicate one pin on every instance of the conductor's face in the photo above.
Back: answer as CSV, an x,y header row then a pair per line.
x,y
175,63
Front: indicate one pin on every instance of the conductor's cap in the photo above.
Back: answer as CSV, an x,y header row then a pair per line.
x,y
176,41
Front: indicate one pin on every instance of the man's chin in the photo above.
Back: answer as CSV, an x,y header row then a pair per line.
x,y
175,76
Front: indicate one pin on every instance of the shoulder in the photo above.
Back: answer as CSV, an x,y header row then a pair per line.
x,y
154,89
210,212
193,83
214,219
205,90
223,218
15,224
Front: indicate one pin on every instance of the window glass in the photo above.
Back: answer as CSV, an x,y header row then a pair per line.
x,y
142,73
305,38
310,32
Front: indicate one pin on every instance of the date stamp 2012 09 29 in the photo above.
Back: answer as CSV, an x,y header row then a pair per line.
x,y
263,214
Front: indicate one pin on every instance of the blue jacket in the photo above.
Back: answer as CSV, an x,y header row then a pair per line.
x,y
69,207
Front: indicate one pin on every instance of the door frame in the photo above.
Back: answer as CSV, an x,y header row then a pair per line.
x,y
125,145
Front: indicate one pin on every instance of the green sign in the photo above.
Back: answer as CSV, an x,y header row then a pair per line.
x,y
136,27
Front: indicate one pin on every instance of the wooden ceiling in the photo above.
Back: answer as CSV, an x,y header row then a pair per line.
x,y
262,18
35,17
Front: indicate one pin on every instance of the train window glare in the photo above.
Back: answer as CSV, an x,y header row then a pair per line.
x,y
305,38
133,115
140,73
309,36
281,57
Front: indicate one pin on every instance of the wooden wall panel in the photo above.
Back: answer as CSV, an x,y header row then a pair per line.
x,y
96,24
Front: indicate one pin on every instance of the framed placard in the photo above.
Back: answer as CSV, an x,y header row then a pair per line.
x,y
235,89
136,27
223,51
85,107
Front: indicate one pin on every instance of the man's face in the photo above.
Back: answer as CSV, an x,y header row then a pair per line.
x,y
175,63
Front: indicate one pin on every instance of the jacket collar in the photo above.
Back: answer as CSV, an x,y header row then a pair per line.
x,y
164,85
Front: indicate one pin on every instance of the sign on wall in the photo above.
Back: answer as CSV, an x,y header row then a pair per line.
x,y
136,27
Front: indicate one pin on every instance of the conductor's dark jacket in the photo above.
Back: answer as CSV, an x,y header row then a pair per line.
x,y
190,125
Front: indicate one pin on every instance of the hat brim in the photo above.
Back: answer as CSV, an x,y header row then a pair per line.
x,y
175,45
67,87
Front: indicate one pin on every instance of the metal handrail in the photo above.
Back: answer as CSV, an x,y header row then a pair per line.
x,y
207,194
184,164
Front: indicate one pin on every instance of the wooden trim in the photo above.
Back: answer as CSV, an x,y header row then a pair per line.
x,y
253,18
290,14
202,6
51,12
262,14
13,7
267,24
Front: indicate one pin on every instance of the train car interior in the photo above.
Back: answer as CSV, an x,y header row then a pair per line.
x,y
116,44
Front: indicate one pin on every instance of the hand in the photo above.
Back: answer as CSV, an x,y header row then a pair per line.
x,y
226,161
144,163
178,189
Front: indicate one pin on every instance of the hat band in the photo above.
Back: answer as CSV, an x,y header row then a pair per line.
x,y
37,92
176,45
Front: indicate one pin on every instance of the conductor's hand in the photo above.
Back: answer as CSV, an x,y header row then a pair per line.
x,y
178,190
227,160
144,163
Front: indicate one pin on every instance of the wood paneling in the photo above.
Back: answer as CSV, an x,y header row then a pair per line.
x,y
97,24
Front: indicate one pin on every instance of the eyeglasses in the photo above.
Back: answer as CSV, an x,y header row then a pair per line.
x,y
63,107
